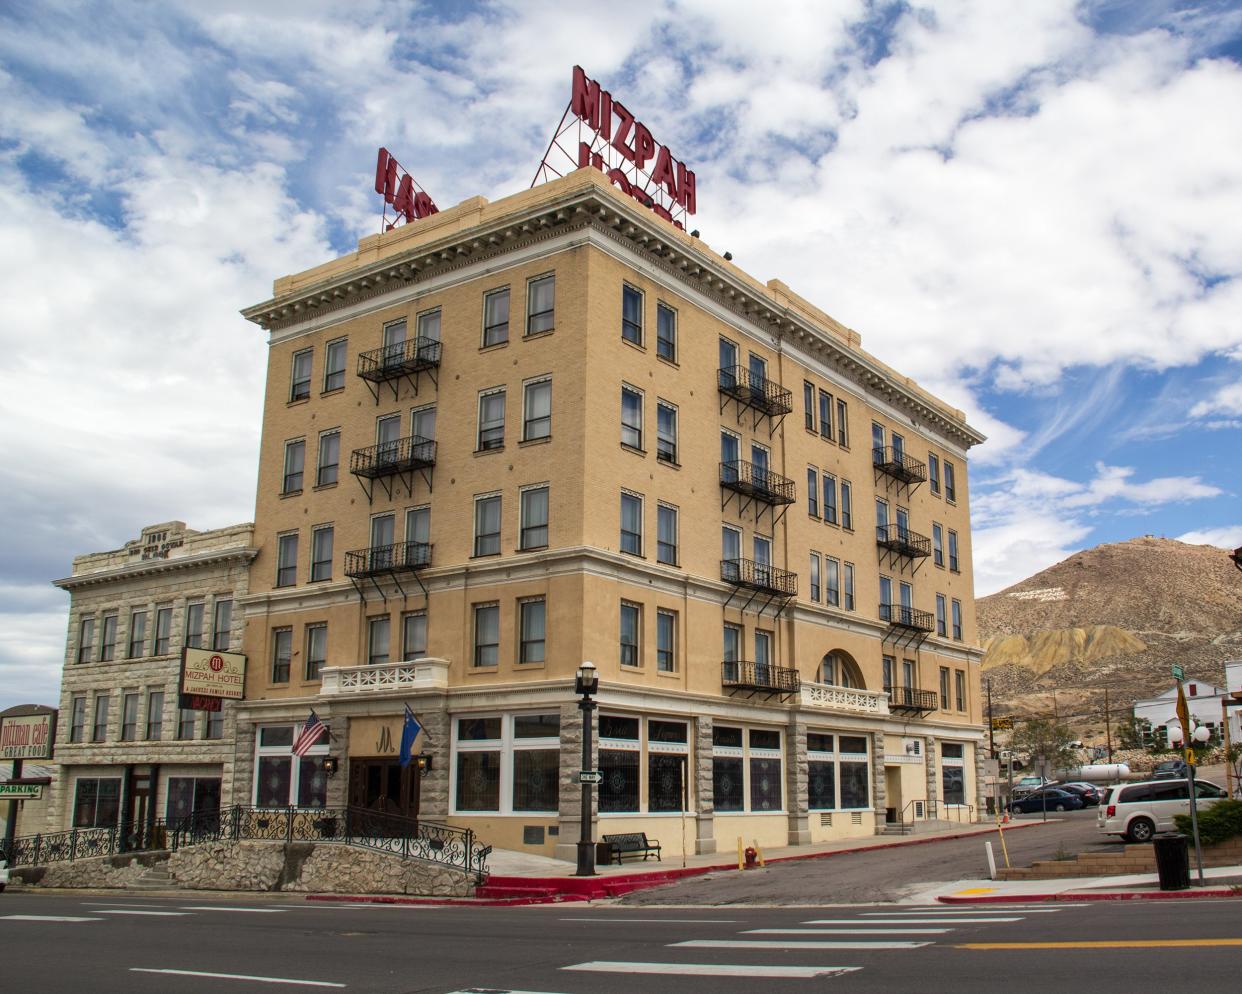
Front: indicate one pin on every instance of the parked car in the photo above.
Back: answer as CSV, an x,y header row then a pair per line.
x,y
1137,811
1025,785
1087,791
1170,769
1047,799
4,875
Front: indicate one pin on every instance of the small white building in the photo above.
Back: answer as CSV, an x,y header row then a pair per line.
x,y
1204,701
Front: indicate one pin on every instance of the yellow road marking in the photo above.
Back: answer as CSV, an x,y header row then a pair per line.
x,y
976,890
1105,944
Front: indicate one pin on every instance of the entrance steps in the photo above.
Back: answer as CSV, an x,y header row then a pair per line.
x,y
919,827
155,878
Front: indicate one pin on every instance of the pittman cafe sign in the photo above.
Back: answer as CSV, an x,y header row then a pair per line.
x,y
209,677
27,736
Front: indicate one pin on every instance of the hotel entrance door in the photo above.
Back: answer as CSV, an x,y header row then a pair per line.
x,y
381,785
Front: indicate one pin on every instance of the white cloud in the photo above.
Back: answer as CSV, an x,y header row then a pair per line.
x,y
1225,537
1226,400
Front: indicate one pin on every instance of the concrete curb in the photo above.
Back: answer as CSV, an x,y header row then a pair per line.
x,y
1156,895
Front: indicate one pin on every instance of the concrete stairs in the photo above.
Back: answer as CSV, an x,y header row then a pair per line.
x,y
919,827
155,878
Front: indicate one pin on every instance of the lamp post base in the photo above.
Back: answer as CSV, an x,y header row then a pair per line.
x,y
586,860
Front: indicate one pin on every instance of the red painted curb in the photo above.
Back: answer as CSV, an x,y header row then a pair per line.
x,y
1156,895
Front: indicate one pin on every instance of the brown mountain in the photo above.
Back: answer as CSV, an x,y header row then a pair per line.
x,y
1116,616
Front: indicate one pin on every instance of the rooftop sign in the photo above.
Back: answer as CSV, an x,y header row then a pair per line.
x,y
611,139
399,189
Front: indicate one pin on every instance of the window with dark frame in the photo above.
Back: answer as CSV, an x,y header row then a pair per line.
x,y
825,415
287,560
666,432
957,619
487,525
830,498
486,634
933,472
214,726
300,388
495,317
814,587
155,715
631,418
335,355
631,625
843,423
666,641
950,483
137,634
666,534
282,654
533,532
953,563
193,634
222,629
295,464
379,632
847,586
540,304
808,405
631,314
163,631
321,553
129,717
491,420
847,505
959,687
941,613
186,720
631,524
532,624
944,688
832,582
77,723
666,332
537,410
107,644
86,640
329,458
812,491
99,730
414,635
937,544
316,650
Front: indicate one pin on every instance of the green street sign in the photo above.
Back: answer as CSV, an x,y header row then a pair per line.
x,y
1178,672
25,791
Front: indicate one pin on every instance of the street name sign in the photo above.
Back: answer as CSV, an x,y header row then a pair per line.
x,y
590,776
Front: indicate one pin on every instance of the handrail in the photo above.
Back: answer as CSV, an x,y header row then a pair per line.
x,y
759,576
399,455
746,478
932,812
387,559
902,540
898,465
395,360
747,675
761,393
901,616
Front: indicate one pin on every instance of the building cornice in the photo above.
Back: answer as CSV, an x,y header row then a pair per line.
x,y
585,199
154,567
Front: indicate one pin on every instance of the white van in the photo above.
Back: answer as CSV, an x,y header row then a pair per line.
x,y
1137,811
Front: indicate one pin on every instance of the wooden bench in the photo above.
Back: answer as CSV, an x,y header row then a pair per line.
x,y
631,844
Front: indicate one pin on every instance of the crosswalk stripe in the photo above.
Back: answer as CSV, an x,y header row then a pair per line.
x,y
238,976
711,969
47,918
847,931
153,914
905,921
744,944
964,912
256,911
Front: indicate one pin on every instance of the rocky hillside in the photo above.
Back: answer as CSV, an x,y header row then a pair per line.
x,y
1116,616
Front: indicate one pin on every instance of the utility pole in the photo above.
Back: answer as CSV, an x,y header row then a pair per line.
x,y
1108,727
991,728
1056,714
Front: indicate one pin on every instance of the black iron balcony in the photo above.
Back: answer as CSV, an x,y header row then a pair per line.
x,y
738,674
402,455
910,699
898,465
401,557
759,576
902,541
900,616
753,481
399,359
760,393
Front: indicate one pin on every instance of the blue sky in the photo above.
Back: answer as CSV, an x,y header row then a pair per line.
x,y
1030,208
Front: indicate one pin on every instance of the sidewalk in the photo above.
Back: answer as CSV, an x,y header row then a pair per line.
x,y
1220,881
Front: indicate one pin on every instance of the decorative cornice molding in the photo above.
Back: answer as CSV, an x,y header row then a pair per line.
x,y
149,567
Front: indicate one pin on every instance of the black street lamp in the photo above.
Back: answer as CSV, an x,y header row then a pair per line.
x,y
584,686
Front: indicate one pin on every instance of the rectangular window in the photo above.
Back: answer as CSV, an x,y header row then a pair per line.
x,y
533,533
537,410
429,326
730,545
329,458
815,576
496,317
666,432
728,785
808,405
486,634
953,782
77,725
129,717
666,534
186,720
215,725
282,654
295,463
843,425
491,420
950,483
414,635
847,505
379,633
666,641
107,645
418,526
631,418
100,730
937,544
732,646
631,314
423,422
765,779
316,650
821,784
155,715
959,687
222,629
825,415
957,620
631,625
847,586
619,790
532,622
941,615
137,634
287,560
394,340
953,563
541,304
321,553
163,631
299,389
487,525
888,668
853,774
334,365
666,332
194,625
944,688
86,640
478,780
631,524
933,472
812,491
535,779
832,569
877,442
97,802
830,499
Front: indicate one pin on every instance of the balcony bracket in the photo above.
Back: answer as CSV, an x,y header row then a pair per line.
x,y
905,638
402,361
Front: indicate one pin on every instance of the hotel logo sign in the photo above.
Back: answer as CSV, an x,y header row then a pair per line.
x,y
208,673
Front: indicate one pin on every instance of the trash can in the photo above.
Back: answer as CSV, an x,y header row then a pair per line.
x,y
1172,861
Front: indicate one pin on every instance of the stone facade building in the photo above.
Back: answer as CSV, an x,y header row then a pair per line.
x,y
518,435
126,754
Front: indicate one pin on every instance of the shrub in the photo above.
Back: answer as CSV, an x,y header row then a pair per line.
x,y
1222,821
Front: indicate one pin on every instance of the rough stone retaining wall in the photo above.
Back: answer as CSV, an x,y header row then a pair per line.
x,y
1135,859
262,866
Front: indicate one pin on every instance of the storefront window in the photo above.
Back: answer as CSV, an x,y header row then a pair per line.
x,y
506,764
619,789
283,779
821,785
535,779
727,784
478,781
192,795
952,773
765,783
97,802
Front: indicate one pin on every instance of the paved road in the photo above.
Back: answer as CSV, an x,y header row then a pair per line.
x,y
59,944
885,874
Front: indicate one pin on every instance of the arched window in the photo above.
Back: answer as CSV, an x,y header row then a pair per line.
x,y
838,669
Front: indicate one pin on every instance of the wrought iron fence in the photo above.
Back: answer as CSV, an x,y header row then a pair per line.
x,y
409,838
399,358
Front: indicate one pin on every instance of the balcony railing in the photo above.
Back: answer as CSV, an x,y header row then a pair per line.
x,y
401,455
429,673
902,541
847,699
759,576
739,674
898,465
756,482
380,559
399,359
900,616
760,393
911,699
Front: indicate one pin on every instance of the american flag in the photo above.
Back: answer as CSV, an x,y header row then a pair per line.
x,y
309,735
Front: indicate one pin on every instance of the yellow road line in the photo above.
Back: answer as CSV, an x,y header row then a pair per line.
x,y
1105,944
